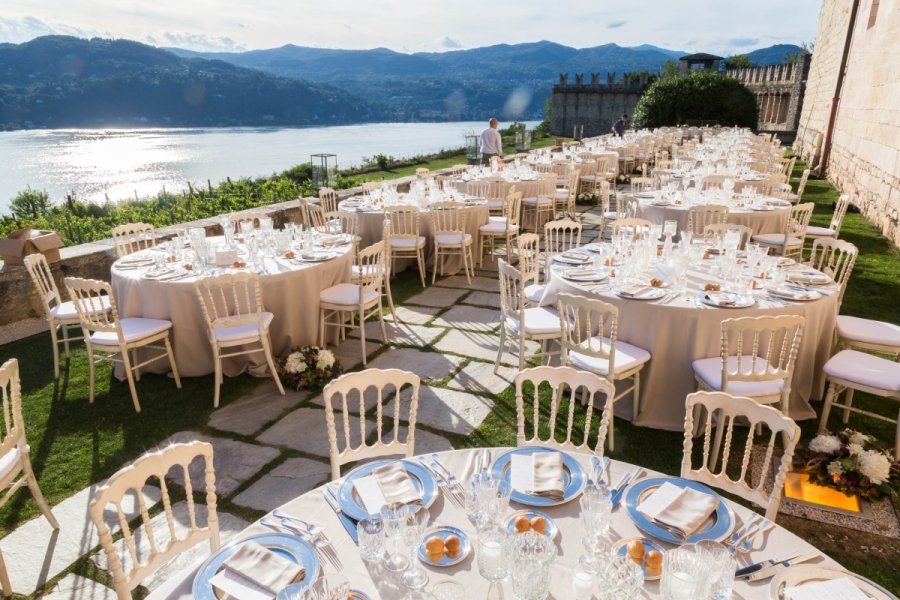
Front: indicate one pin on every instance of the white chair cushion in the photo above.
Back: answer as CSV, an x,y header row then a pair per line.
x,y
775,239
627,357
66,310
536,201
240,332
450,239
346,294
495,203
710,371
561,194
407,242
855,329
133,329
497,219
611,215
589,178
864,369
534,292
498,227
820,231
538,321
9,461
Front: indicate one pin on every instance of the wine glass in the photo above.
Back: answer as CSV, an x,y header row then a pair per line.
x,y
394,518
493,558
487,499
417,518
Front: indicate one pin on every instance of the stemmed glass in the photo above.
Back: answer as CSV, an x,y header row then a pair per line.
x,y
416,522
487,500
394,518
596,511
493,558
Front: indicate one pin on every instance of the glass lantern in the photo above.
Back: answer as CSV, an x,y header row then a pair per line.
x,y
473,149
324,170
523,140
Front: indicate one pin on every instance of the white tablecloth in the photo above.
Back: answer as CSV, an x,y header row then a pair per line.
x,y
760,221
378,583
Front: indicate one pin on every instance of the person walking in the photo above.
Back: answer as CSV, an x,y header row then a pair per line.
x,y
619,126
491,143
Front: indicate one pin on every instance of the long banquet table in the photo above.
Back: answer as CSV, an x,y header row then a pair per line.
x,y
290,291
378,583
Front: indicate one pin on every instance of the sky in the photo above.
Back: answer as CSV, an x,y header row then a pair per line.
x,y
716,26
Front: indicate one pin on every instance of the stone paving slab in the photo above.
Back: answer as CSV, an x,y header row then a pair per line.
x,y
35,553
429,366
305,430
417,315
235,462
489,299
484,284
370,395
480,377
427,442
470,317
447,410
483,346
285,482
439,297
248,415
402,333
75,587
349,352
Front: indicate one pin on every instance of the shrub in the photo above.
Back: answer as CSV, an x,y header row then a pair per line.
x,y
699,96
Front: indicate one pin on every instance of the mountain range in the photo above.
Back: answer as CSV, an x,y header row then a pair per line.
x,y
61,81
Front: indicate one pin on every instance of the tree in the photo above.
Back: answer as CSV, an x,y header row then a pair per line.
x,y
698,96
670,69
738,61
30,204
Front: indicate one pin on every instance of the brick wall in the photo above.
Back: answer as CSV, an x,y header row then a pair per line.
x,y
865,154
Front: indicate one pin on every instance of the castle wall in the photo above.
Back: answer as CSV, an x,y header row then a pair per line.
x,y
865,153
593,106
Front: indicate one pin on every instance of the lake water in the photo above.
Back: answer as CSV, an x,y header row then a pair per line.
x,y
120,163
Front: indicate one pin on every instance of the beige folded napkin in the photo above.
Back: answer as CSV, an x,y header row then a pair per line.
x,y
722,299
684,509
333,240
635,290
576,254
263,567
538,474
396,486
580,273
813,277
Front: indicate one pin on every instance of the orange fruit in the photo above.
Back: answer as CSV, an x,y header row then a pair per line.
x,y
451,545
522,524
539,524
636,551
435,545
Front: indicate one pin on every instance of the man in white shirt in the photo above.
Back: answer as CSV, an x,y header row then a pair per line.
x,y
491,143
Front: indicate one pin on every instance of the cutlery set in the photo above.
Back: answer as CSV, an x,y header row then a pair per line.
x,y
315,535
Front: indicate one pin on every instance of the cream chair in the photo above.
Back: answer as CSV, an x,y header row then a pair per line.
x,y
518,322
133,237
347,396
724,409
406,240
236,321
368,186
801,187
362,298
635,227
561,236
557,379
118,340
356,270
790,242
641,184
422,172
850,370
757,359
868,334
701,216
714,231
538,209
60,315
313,216
564,199
712,182
837,219
835,258
489,191
450,237
163,545
504,228
328,200
529,253
589,342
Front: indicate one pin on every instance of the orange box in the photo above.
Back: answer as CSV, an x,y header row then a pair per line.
x,y
23,242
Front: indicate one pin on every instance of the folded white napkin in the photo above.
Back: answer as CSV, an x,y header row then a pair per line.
x,y
263,568
386,485
814,277
538,474
575,254
664,272
635,290
580,272
684,509
834,589
722,299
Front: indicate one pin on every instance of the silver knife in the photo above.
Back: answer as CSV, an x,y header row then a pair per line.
x,y
750,569
617,495
485,459
771,570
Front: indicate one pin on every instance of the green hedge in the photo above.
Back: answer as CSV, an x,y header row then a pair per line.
x,y
698,96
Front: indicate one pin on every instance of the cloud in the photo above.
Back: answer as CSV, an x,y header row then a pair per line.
x,y
743,41
195,41
27,28
615,24
449,43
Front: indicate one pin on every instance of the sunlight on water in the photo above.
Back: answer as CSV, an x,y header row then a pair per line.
x,y
119,164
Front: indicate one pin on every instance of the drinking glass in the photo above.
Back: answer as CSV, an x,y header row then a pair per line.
x,y
393,517
619,578
596,511
370,533
493,558
532,555
687,237
670,228
246,227
266,224
487,500
683,576
416,522
448,590
720,566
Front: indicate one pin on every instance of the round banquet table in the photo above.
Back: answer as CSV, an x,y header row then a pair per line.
x,y
290,291
371,230
379,583
500,187
760,221
678,332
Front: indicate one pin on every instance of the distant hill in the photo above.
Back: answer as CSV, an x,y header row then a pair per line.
x,y
773,55
672,53
61,81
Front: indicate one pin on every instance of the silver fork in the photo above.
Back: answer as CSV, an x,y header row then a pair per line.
x,y
325,550
738,536
763,526
442,483
452,481
312,529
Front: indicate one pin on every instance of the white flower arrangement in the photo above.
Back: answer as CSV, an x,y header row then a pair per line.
x,y
826,444
844,462
309,368
325,359
295,363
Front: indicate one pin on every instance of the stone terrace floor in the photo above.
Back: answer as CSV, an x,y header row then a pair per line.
x,y
267,452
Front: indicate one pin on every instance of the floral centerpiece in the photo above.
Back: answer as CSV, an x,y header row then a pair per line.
x,y
848,462
309,368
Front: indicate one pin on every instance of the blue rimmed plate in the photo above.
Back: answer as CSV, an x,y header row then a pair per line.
x,y
716,528
287,546
443,532
352,505
573,477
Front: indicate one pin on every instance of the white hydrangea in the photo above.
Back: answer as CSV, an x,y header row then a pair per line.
x,y
826,444
859,438
295,363
324,359
835,468
875,466
854,449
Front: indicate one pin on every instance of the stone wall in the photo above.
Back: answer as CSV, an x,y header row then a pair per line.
x,y
779,91
592,106
865,152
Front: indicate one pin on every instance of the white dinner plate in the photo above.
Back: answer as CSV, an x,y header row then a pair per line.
x,y
740,300
649,293
799,574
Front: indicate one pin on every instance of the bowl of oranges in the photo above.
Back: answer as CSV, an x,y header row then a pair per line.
x,y
532,520
444,546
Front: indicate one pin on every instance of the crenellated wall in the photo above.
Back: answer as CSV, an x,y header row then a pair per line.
x,y
592,106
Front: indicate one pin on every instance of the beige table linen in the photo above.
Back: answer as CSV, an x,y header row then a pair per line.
x,y
380,584
760,221
290,292
679,332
